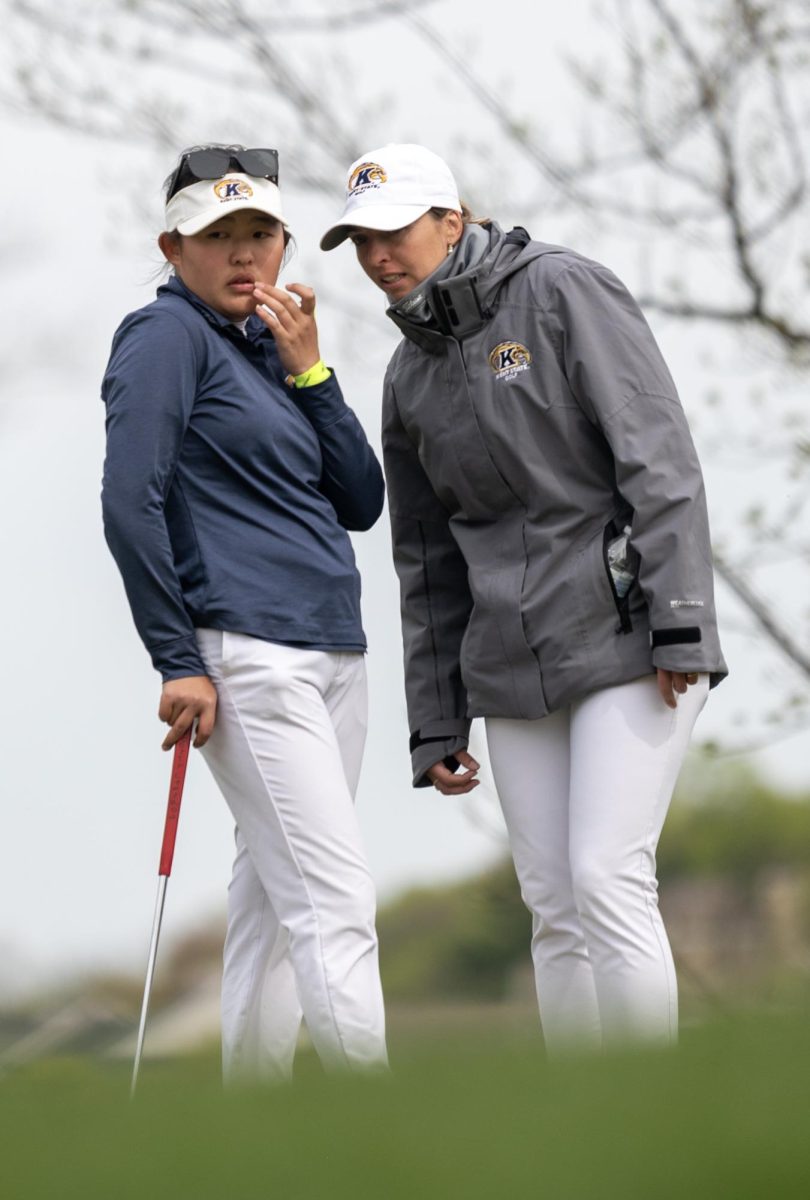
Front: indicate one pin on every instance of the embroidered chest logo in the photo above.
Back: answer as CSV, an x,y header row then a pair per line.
x,y
509,359
367,175
233,189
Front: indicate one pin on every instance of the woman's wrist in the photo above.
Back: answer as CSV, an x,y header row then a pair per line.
x,y
312,376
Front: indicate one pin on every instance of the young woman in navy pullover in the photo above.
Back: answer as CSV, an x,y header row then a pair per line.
x,y
234,469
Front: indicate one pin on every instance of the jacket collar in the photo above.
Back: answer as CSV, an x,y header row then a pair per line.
x,y
254,329
466,302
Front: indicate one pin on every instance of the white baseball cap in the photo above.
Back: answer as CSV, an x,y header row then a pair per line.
x,y
195,207
391,187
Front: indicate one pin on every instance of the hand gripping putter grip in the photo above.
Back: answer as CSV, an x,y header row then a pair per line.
x,y
179,764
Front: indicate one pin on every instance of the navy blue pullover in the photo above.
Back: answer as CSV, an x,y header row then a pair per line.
x,y
227,492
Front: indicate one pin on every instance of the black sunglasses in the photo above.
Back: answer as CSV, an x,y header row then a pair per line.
x,y
216,162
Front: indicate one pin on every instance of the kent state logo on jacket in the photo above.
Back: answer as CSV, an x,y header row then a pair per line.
x,y
233,189
509,359
367,175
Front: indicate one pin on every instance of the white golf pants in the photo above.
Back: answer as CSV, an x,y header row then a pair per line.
x,y
301,940
584,793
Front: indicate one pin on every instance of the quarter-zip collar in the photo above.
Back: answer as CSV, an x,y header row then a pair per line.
x,y
254,329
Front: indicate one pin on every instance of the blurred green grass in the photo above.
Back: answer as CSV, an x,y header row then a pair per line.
x,y
472,1110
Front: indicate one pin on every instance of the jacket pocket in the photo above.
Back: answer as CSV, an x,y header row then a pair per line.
x,y
602,611
620,562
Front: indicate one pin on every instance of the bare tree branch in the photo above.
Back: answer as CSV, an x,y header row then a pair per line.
x,y
360,16
487,99
754,745
796,339
758,608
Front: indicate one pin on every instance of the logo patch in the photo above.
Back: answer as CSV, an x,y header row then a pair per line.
x,y
233,189
366,175
509,359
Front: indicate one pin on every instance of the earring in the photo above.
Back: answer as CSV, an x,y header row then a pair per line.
x,y
450,250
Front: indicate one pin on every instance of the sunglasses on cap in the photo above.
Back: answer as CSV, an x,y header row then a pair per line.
x,y
215,162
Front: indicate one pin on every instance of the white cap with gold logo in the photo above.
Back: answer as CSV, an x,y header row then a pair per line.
x,y
195,207
391,187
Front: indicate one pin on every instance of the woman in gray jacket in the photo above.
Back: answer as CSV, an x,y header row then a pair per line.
x,y
551,541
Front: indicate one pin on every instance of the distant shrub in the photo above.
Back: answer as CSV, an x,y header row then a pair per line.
x,y
726,821
457,940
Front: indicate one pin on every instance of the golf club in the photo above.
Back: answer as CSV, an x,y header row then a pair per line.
x,y
179,763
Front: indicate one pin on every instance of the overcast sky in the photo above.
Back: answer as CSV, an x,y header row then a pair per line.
x,y
83,779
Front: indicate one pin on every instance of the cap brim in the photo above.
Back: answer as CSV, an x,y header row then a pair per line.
x,y
381,217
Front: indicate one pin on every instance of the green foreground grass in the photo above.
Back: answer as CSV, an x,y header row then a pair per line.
x,y
468,1112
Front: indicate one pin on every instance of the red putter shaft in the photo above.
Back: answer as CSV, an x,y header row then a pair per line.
x,y
179,765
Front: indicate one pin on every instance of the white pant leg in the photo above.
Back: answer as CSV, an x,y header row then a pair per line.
x,y
276,756
627,748
261,1012
347,704
531,767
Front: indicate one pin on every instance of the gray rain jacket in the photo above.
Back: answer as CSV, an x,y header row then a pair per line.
x,y
520,436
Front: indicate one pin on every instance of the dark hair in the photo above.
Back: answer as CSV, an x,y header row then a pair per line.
x,y
168,182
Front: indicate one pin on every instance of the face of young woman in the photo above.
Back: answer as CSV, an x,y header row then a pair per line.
x,y
224,262
398,261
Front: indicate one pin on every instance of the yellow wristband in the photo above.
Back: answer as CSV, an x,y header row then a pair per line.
x,y
316,374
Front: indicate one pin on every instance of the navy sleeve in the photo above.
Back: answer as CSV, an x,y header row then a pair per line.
x,y
352,479
149,389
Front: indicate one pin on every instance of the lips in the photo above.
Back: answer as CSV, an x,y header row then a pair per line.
x,y
242,283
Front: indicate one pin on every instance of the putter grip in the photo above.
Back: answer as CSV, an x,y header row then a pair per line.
x,y
173,807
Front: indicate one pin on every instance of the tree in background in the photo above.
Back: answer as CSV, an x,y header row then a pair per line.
x,y
691,141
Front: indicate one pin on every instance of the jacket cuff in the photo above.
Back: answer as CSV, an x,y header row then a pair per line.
x,y
322,403
179,659
434,741
688,648
677,648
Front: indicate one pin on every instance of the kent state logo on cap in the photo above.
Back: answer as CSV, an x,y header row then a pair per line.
x,y
509,359
367,174
392,187
233,189
197,206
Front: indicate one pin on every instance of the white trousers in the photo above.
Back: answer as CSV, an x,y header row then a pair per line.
x,y
584,793
301,939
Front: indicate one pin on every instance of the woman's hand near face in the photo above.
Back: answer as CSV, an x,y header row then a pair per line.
x,y
292,324
672,684
451,783
185,700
